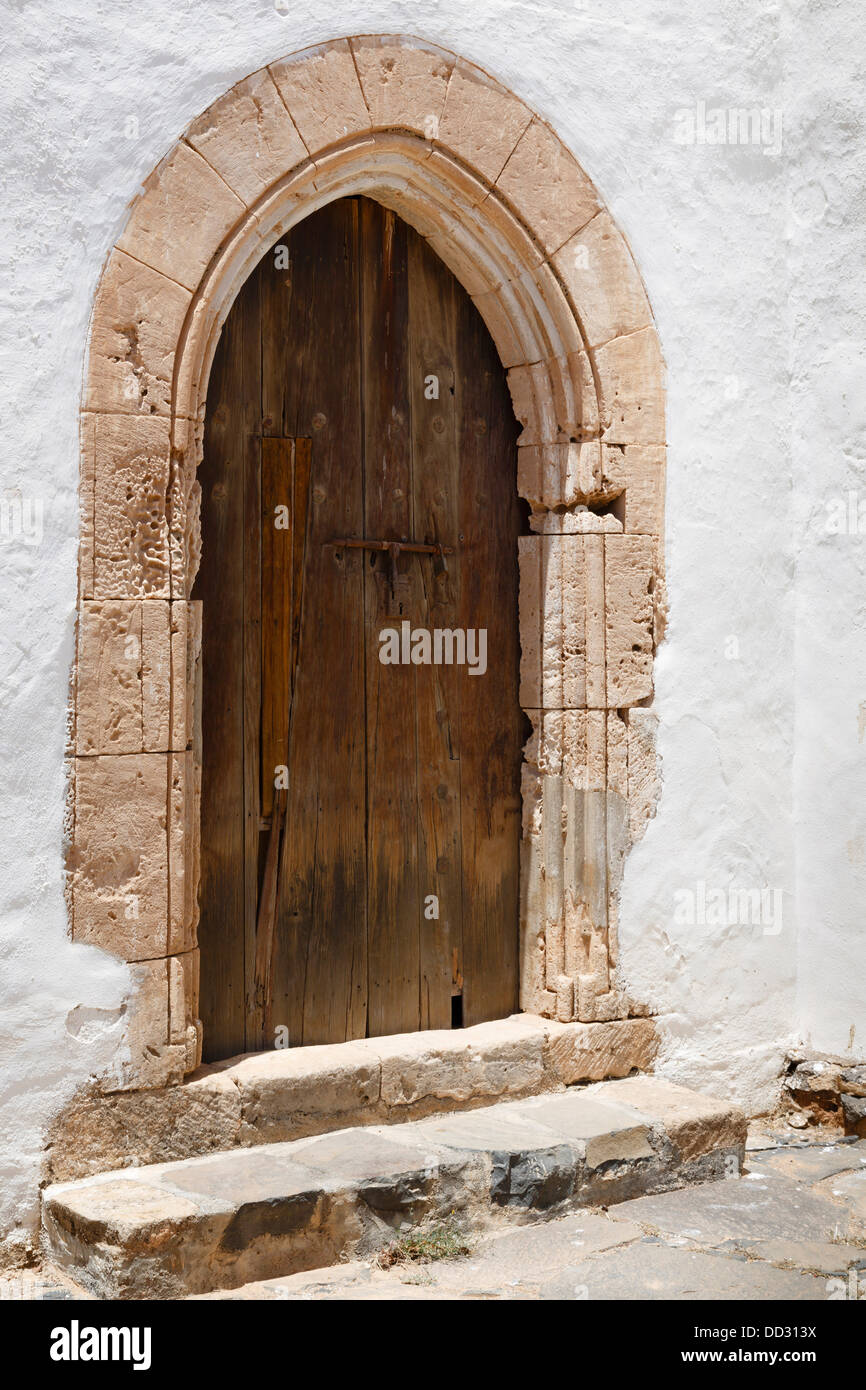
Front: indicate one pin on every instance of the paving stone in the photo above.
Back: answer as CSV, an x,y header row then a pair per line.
x,y
811,1164
648,1271
849,1189
742,1210
527,1255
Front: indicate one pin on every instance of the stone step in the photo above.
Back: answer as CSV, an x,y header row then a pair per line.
x,y
174,1229
272,1097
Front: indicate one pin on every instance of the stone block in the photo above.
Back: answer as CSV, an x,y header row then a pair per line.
x,y
581,1052
494,312
478,280
184,507
296,1090
130,520
490,1060
630,373
575,396
183,813
137,321
156,676
533,403
248,136
86,496
481,122
696,1124
185,636
148,1058
597,268
628,581
122,677
183,214
321,90
547,186
643,474
119,863
98,1131
404,82
185,1026
562,602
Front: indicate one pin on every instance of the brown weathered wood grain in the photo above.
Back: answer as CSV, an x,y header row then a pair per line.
x,y
402,780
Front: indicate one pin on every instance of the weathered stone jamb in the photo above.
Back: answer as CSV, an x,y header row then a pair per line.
x,y
507,207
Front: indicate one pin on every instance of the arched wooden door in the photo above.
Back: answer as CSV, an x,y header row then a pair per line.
x,y
361,734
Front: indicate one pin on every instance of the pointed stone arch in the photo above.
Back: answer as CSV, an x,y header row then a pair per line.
x,y
511,212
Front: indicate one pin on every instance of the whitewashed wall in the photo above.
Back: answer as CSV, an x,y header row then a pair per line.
x,y
753,261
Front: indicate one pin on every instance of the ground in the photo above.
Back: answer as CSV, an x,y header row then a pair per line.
x,y
793,1226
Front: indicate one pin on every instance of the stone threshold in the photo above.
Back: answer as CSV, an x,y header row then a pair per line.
x,y
171,1230
293,1093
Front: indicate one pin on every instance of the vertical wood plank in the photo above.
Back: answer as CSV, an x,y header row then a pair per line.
x,y
254,1006
490,717
277,523
393,887
232,417
320,972
432,348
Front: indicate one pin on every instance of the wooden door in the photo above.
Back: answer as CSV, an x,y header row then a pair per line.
x,y
360,817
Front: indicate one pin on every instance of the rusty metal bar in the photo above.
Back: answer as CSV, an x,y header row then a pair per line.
x,y
356,544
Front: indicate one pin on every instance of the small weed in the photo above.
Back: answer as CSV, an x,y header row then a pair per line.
x,y
424,1246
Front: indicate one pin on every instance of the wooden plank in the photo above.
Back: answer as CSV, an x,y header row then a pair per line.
x,y
303,462
491,722
432,347
320,971
232,416
393,882
255,1001
277,521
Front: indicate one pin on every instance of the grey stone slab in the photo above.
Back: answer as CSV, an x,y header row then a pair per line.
x,y
649,1271
499,1129
605,1131
745,1209
362,1154
243,1175
527,1255
118,1209
849,1189
813,1163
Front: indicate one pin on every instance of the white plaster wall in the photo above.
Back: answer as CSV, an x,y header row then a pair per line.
x,y
751,264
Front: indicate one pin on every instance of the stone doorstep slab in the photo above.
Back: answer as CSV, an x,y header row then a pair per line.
x,y
291,1093
173,1229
